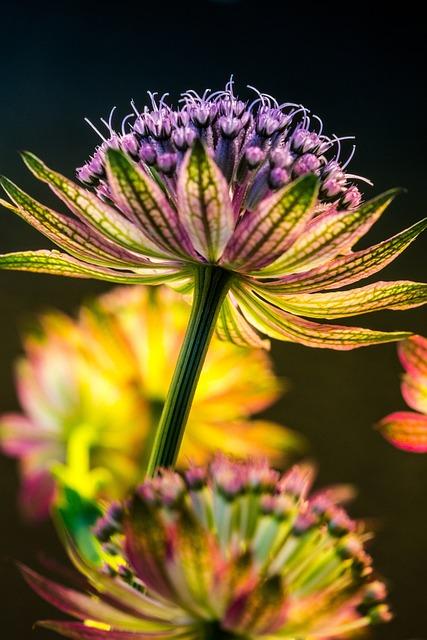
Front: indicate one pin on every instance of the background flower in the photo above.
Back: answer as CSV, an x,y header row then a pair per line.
x,y
228,551
254,189
407,430
92,389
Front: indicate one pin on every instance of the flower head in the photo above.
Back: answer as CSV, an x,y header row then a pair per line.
x,y
228,551
254,188
407,430
92,389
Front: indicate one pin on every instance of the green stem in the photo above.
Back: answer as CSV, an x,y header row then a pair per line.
x,y
211,287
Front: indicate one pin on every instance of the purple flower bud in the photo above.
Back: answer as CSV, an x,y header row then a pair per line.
x,y
196,477
129,144
171,488
203,115
166,163
340,524
159,125
277,178
351,198
304,523
331,187
267,125
229,127
96,164
308,163
304,140
148,154
183,138
179,118
281,157
254,156
85,175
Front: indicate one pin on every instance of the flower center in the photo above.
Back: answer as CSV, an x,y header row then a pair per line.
x,y
260,145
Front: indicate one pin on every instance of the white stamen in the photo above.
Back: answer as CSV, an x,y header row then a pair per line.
x,y
152,96
95,129
124,121
319,120
350,157
355,177
133,105
261,96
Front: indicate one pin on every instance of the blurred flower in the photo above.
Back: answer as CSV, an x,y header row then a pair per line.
x,y
228,551
92,389
254,190
407,430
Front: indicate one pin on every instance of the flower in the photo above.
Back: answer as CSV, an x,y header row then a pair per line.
x,y
407,430
92,389
231,550
255,190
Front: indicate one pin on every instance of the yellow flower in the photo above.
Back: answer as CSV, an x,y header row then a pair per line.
x,y
92,390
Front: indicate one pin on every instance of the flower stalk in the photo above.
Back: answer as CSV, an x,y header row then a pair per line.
x,y
211,286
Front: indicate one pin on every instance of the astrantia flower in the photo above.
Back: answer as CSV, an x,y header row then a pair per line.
x,y
228,551
407,430
92,390
252,189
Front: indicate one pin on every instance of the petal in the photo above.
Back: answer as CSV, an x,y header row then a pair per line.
x,y
68,233
94,631
232,327
405,430
349,268
413,355
140,196
401,294
19,436
78,604
57,263
284,326
259,609
263,235
191,554
36,494
147,547
204,203
121,595
414,392
87,206
329,235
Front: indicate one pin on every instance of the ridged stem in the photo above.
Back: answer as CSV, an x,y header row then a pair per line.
x,y
211,286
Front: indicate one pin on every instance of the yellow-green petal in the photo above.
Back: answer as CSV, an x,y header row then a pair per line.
x,y
60,264
401,294
204,203
284,326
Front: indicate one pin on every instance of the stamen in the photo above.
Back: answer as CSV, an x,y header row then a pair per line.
x,y
95,129
124,121
353,176
137,112
350,157
152,97
319,120
109,124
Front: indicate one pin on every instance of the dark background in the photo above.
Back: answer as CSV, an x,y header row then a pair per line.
x,y
364,74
